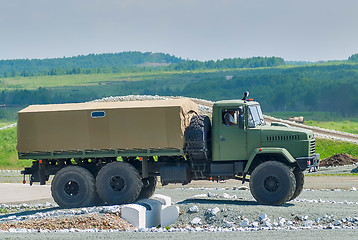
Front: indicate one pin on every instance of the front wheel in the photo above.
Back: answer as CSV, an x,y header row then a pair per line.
x,y
272,183
118,183
300,180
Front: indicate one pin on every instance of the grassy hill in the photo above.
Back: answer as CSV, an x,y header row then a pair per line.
x,y
278,87
313,89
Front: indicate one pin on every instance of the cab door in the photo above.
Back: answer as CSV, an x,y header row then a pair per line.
x,y
232,139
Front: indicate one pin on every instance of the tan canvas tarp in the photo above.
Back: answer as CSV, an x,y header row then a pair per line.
x,y
126,125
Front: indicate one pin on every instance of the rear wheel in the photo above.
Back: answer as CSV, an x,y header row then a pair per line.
x,y
118,183
300,180
74,186
272,183
148,188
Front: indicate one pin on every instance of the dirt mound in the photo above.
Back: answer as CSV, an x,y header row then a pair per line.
x,y
97,221
339,159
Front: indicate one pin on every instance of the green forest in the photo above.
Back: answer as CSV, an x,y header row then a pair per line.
x,y
92,63
276,84
122,62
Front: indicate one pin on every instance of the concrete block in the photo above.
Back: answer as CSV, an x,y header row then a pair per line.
x,y
153,211
135,214
169,215
165,200
147,213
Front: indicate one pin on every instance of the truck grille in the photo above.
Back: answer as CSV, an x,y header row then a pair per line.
x,y
282,138
312,147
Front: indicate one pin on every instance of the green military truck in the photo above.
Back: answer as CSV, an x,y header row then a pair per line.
x,y
113,152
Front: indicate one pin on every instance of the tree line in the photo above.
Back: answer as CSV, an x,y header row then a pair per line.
x,y
123,62
133,61
92,63
254,62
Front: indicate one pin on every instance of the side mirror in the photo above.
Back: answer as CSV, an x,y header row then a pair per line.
x,y
241,120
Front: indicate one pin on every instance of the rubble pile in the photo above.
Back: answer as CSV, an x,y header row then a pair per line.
x,y
108,221
340,159
203,109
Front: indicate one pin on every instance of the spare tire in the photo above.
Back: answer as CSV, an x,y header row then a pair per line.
x,y
198,138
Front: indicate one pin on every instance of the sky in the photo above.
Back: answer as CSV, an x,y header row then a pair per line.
x,y
300,30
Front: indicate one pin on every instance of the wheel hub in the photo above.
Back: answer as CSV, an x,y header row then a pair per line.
x,y
71,188
271,184
117,183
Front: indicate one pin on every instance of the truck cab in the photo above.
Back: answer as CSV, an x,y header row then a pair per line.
x,y
250,137
274,156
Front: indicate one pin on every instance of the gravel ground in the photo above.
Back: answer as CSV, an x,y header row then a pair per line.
x,y
254,235
207,209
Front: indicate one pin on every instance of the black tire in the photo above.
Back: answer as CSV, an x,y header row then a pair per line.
x,y
74,186
300,180
198,138
148,189
272,183
118,183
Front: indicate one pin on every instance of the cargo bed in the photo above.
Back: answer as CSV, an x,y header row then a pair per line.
x,y
103,129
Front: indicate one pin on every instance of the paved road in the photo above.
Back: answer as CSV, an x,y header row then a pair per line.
x,y
20,193
24,193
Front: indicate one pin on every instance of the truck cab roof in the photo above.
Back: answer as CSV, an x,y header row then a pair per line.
x,y
234,103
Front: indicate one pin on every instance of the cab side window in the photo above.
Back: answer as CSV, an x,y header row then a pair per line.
x,y
229,117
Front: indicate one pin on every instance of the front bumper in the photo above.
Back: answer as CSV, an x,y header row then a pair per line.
x,y
310,163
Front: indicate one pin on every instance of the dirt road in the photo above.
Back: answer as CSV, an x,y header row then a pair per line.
x,y
24,193
16,193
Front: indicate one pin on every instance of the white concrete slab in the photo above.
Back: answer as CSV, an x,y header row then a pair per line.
x,y
153,211
169,215
135,214
165,200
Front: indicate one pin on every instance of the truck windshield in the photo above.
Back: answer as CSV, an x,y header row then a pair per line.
x,y
255,116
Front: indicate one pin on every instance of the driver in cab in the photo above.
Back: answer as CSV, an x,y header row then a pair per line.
x,y
229,118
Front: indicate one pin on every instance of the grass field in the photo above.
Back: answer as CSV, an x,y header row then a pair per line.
x,y
327,148
67,80
326,120
6,123
8,153
32,83
343,126
314,116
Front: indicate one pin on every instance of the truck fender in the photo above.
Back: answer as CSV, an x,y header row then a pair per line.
x,y
256,151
